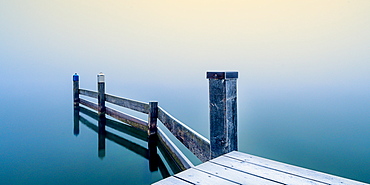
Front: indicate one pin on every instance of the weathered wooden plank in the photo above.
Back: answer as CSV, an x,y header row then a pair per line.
x,y
128,103
233,175
293,170
198,177
263,172
92,94
172,181
176,154
122,127
133,121
89,104
196,143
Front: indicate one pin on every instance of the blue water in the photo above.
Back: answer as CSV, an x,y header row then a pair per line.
x,y
38,146
321,130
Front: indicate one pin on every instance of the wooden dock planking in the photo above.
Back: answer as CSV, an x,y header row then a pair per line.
x,y
173,180
199,177
232,174
262,171
293,170
240,168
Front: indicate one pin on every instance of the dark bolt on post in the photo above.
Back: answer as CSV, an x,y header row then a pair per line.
x,y
76,87
101,94
223,112
152,118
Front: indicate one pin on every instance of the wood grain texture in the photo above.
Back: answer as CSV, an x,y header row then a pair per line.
x,y
175,153
233,175
223,116
199,177
293,170
195,142
172,181
240,168
133,121
89,93
128,103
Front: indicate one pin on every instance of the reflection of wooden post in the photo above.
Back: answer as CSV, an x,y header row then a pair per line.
x,y
76,86
223,112
76,120
153,156
101,136
101,94
152,117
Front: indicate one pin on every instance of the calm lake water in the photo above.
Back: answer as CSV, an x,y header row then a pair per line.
x,y
39,144
303,87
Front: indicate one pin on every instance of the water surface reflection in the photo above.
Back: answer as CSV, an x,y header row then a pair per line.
x,y
166,165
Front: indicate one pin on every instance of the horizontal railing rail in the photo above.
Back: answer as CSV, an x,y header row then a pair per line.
x,y
182,161
128,103
223,118
128,119
136,148
196,143
89,93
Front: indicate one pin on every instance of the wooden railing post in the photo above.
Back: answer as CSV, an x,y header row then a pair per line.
x,y
101,94
76,87
223,112
101,113
152,135
152,117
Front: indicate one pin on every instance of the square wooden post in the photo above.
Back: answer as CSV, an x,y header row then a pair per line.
x,y
76,100
76,87
101,94
223,112
152,117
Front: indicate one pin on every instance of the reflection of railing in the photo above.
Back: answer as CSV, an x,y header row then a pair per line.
x,y
222,87
155,161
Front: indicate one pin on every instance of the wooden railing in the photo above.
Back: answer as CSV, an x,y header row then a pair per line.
x,y
222,117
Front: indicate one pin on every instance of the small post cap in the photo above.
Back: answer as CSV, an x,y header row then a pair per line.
x,y
222,75
101,78
75,77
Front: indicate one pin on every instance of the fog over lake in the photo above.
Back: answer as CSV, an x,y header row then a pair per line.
x,y
303,86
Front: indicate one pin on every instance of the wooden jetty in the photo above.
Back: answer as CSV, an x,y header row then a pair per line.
x,y
222,163
240,168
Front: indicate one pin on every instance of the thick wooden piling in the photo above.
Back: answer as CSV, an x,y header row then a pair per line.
x,y
152,117
76,87
223,112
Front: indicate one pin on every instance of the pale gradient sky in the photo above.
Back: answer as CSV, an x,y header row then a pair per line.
x,y
303,65
311,41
